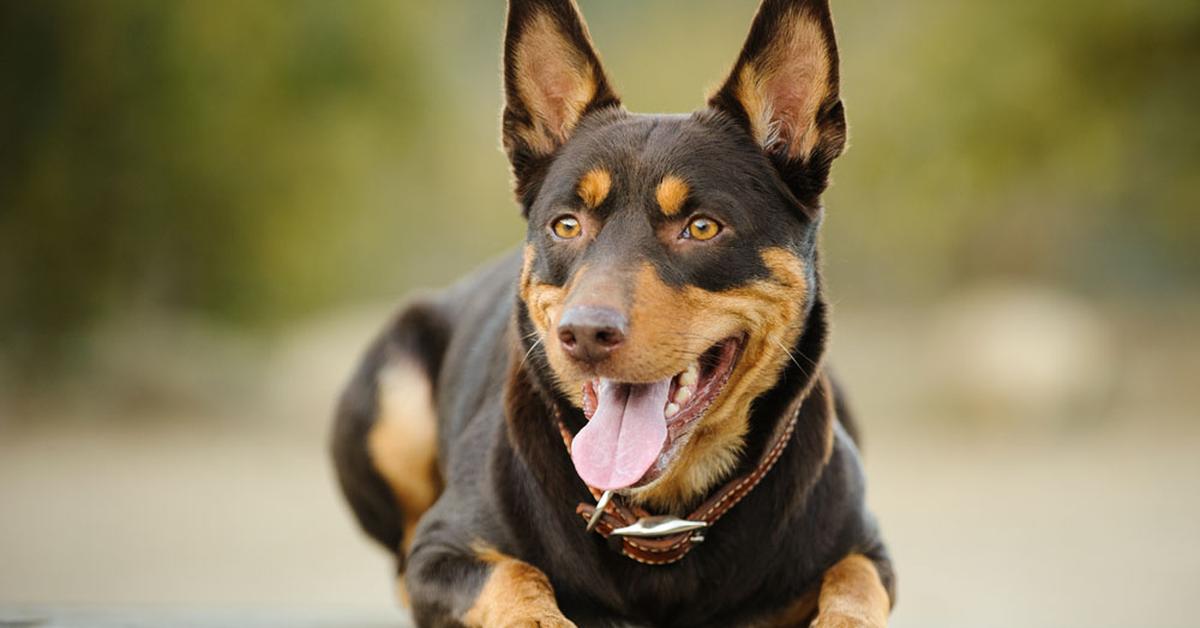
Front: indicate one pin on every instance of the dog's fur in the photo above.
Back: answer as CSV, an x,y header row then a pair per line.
x,y
446,441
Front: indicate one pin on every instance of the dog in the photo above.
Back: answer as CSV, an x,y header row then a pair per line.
x,y
629,420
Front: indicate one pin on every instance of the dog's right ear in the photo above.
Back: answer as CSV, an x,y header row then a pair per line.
x,y
552,78
784,92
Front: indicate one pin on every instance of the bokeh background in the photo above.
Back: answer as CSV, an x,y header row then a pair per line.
x,y
208,207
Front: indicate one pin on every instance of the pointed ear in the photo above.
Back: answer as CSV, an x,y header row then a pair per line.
x,y
552,78
784,91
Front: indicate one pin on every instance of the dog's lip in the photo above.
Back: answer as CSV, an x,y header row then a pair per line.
x,y
715,366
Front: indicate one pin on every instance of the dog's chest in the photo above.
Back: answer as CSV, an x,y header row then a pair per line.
x,y
727,581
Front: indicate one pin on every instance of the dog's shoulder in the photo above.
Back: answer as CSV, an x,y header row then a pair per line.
x,y
479,310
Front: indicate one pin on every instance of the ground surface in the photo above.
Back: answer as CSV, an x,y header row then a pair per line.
x,y
133,523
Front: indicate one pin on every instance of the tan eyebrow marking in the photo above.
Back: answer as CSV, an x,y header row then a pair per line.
x,y
594,187
672,192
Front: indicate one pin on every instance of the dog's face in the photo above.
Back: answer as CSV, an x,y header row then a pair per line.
x,y
670,260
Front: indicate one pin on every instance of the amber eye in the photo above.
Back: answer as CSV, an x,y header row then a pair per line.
x,y
566,227
702,228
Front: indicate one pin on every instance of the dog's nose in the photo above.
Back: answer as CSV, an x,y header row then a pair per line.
x,y
589,334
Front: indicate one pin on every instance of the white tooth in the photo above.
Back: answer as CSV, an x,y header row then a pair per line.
x,y
682,395
690,376
672,409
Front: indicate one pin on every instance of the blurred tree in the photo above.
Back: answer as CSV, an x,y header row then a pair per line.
x,y
251,162
191,156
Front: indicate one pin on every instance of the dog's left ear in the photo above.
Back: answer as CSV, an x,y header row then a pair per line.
x,y
552,78
784,91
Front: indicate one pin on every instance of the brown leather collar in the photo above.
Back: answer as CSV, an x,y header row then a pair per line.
x,y
664,550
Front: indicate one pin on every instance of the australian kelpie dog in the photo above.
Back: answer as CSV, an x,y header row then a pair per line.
x,y
629,421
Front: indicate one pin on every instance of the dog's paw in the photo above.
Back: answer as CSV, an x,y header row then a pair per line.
x,y
840,620
542,619
523,613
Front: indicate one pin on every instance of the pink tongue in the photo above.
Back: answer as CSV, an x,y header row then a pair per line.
x,y
624,436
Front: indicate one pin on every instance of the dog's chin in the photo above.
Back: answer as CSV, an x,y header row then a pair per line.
x,y
693,394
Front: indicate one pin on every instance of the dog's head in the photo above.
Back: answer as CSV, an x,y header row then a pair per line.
x,y
670,261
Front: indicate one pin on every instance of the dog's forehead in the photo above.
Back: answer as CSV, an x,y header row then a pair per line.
x,y
633,153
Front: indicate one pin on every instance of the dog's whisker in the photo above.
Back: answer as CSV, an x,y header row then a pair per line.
x,y
529,352
789,353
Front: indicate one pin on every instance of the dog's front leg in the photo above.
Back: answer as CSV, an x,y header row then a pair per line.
x,y
480,587
852,596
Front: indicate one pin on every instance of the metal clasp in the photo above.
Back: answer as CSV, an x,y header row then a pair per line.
x,y
599,512
665,525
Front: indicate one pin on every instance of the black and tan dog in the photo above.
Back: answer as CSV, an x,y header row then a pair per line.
x,y
657,345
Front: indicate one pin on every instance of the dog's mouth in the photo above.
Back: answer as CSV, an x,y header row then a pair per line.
x,y
635,430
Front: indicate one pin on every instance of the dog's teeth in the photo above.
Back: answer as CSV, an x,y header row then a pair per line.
x,y
672,409
683,395
690,376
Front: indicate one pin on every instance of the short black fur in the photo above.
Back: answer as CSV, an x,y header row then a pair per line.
x,y
508,479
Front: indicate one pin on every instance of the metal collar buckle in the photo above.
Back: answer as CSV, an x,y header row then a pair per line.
x,y
662,525
649,527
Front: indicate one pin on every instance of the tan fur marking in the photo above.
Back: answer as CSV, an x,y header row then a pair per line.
x,y
488,554
514,594
769,313
402,593
798,613
555,80
544,301
782,90
658,346
545,304
852,595
528,257
403,441
671,194
594,187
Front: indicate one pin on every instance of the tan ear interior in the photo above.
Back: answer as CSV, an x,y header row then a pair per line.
x,y
555,81
782,88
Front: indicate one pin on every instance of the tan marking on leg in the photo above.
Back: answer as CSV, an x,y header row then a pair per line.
x,y
594,187
797,613
852,595
402,592
515,594
671,194
403,441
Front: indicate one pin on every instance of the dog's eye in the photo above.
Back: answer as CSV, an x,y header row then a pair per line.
x,y
566,227
702,228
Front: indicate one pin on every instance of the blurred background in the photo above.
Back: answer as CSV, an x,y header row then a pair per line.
x,y
207,208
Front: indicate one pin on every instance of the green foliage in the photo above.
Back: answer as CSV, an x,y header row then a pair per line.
x,y
199,156
251,162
